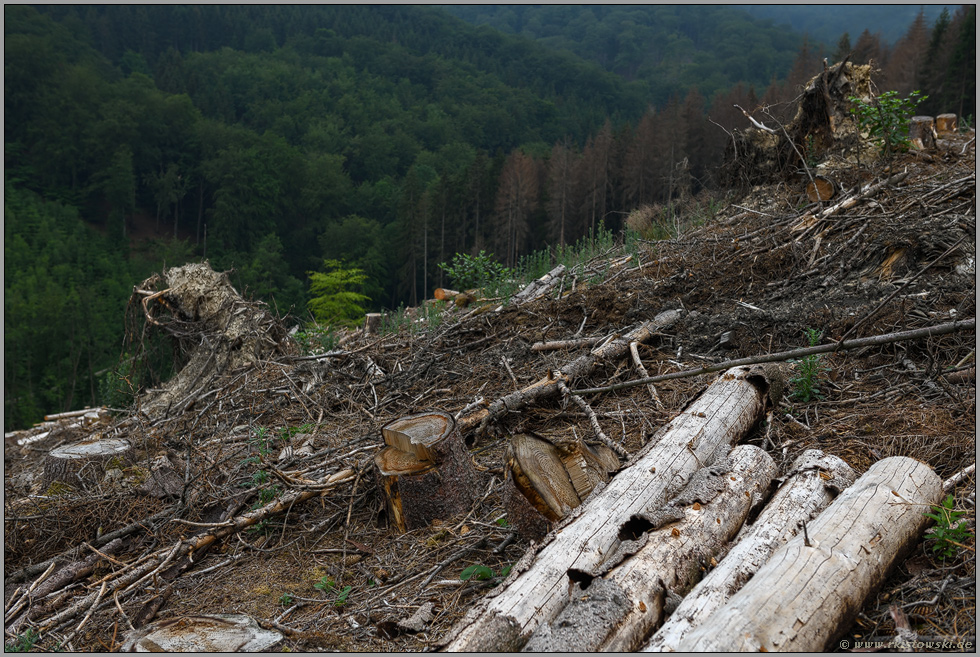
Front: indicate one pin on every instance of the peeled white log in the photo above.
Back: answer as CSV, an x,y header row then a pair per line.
x,y
810,590
668,559
723,414
815,479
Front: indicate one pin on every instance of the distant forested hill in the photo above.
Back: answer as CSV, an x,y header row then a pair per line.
x,y
826,23
670,48
358,143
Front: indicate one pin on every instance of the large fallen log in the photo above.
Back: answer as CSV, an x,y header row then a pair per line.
x,y
672,549
815,479
538,590
577,368
811,589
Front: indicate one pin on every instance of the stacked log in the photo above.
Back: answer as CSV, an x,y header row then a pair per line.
x,y
672,548
811,589
425,472
719,417
813,482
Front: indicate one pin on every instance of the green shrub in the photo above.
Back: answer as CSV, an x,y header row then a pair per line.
x,y
475,272
886,118
950,531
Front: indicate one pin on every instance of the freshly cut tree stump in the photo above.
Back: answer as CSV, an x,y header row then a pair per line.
x,y
922,132
811,589
719,417
425,472
544,481
671,549
815,479
83,463
946,124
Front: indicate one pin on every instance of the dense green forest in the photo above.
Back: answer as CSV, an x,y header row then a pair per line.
x,y
285,141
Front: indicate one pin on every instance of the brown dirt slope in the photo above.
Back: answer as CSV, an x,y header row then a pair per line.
x,y
749,281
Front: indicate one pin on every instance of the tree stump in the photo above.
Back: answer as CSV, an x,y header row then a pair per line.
x,y
83,463
372,323
946,124
922,132
545,480
425,472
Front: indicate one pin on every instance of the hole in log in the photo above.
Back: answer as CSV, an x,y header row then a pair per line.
x,y
634,528
580,577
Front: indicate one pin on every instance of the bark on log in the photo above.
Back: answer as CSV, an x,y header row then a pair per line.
x,y
544,481
720,416
539,287
83,464
922,132
579,367
815,479
811,589
673,548
946,124
425,472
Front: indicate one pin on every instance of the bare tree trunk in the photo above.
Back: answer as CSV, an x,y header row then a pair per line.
x,y
812,588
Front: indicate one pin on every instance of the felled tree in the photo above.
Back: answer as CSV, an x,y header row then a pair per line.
x,y
332,301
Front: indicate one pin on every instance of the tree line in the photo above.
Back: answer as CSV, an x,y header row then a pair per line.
x,y
286,142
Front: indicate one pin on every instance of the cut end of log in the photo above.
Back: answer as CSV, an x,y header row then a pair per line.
x,y
946,124
545,481
820,189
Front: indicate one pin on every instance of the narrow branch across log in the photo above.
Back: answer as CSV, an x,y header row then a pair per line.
x,y
857,343
811,588
579,367
723,413
811,485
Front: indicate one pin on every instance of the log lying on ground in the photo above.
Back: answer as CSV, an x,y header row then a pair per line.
x,y
84,463
672,548
811,588
425,472
539,287
723,414
544,481
579,367
815,479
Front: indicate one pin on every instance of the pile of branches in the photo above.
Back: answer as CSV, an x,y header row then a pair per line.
x,y
269,451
